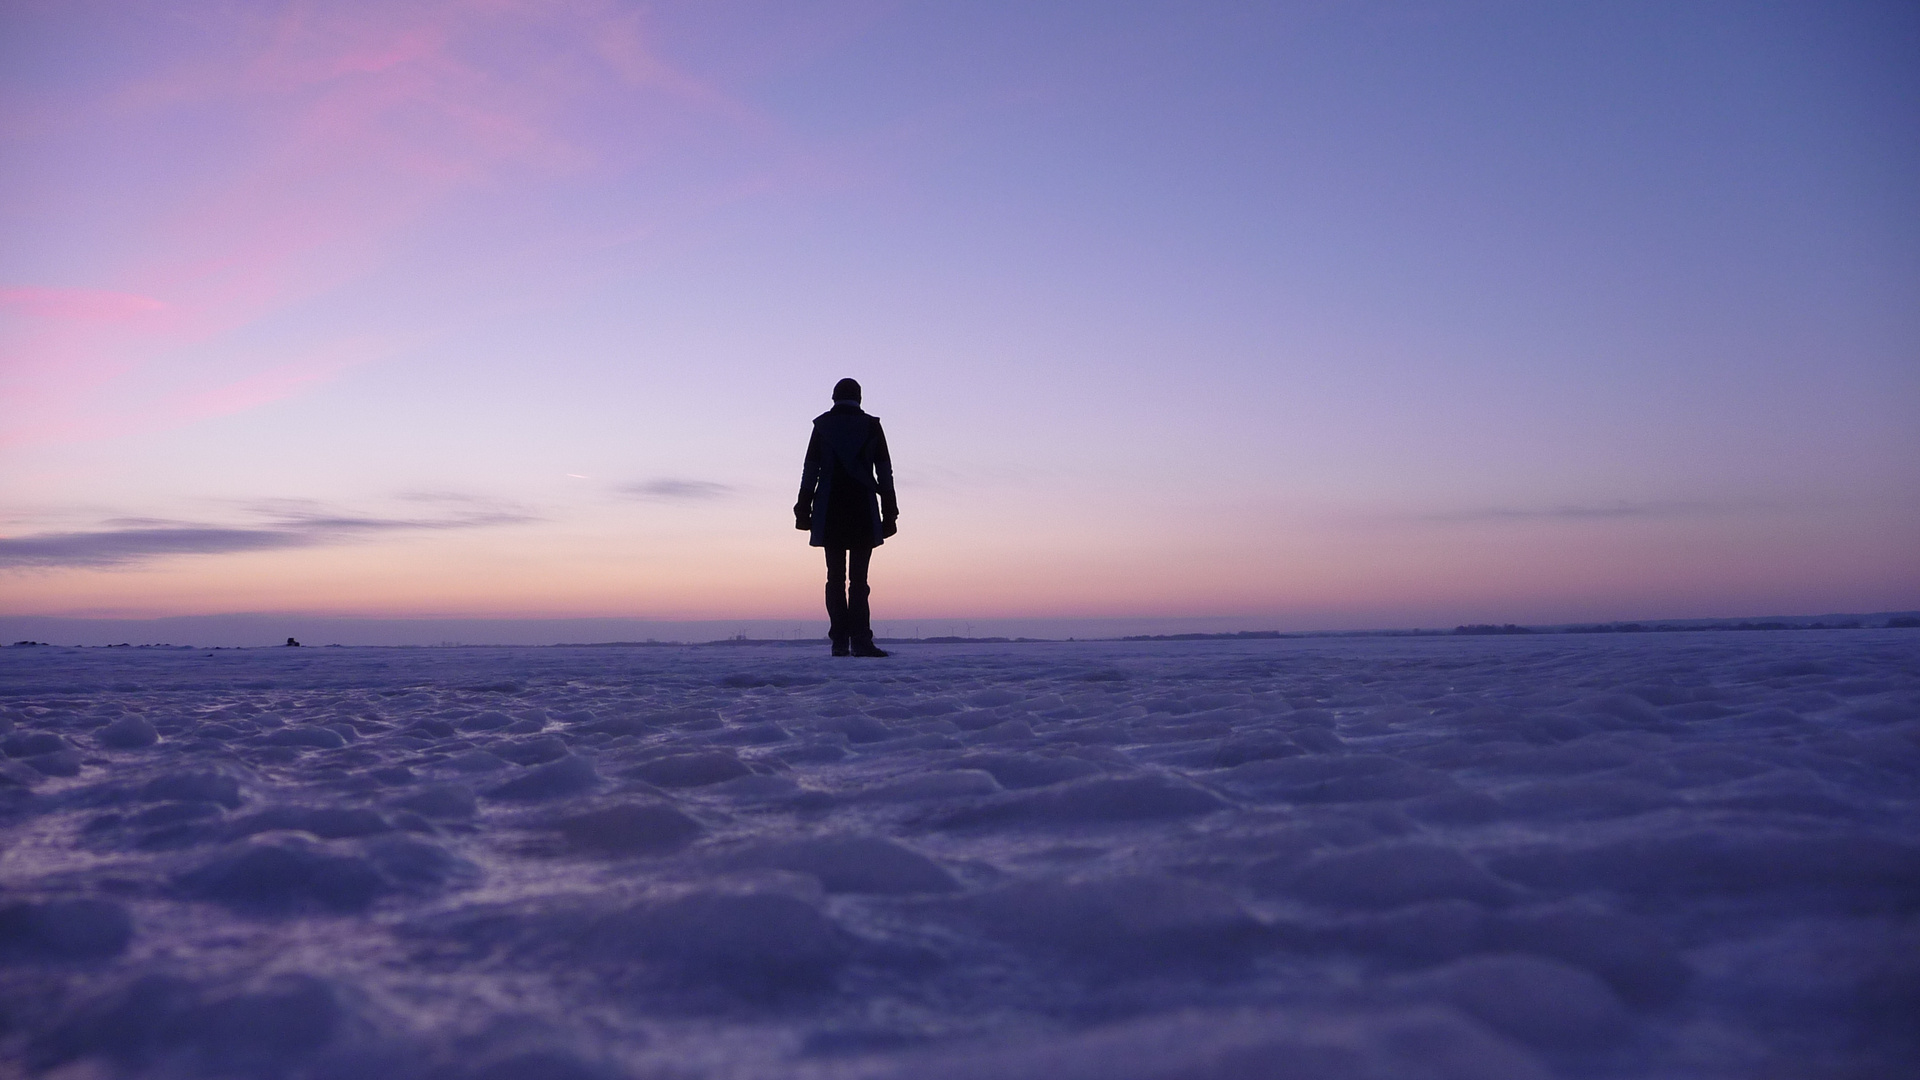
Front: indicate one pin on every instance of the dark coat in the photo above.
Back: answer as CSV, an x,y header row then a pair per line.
x,y
847,467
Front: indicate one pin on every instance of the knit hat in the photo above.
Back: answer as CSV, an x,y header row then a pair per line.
x,y
846,390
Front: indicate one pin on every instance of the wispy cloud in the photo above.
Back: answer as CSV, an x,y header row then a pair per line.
x,y
79,305
113,547
292,524
680,490
351,122
284,380
470,502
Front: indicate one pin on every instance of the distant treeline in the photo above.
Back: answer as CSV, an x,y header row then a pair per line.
x,y
1896,622
1241,635
1489,629
1902,622
950,639
807,642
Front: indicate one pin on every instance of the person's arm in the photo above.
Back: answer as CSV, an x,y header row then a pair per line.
x,y
883,477
809,480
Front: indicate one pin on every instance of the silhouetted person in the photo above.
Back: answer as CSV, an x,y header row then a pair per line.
x,y
847,502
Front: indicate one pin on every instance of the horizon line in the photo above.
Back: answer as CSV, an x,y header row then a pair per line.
x,y
254,629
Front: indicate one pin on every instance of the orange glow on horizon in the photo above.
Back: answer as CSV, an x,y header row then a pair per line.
x,y
1545,574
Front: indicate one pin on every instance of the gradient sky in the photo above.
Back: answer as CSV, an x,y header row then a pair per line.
x,y
1313,314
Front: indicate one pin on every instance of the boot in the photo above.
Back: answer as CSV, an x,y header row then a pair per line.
x,y
837,629
860,620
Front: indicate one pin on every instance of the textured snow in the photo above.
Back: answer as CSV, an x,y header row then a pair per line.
x,y
1660,855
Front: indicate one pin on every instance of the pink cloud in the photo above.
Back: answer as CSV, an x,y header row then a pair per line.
x,y
58,346
345,124
81,410
275,384
79,305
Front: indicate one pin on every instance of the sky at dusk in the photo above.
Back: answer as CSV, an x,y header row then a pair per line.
x,y
1305,315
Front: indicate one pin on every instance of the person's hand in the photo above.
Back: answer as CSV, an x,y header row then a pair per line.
x,y
802,520
889,526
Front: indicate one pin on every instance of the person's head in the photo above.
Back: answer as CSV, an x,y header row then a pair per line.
x,y
846,390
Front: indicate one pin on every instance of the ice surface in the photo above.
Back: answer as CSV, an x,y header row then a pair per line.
x,y
1664,855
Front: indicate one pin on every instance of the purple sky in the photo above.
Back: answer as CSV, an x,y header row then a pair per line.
x,y
1310,315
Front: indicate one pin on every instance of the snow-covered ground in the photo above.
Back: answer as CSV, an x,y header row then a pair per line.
x,y
1659,855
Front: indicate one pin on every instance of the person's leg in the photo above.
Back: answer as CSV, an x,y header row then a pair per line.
x,y
838,629
859,614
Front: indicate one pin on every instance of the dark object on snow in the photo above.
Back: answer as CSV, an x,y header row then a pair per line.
x,y
847,506
292,644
